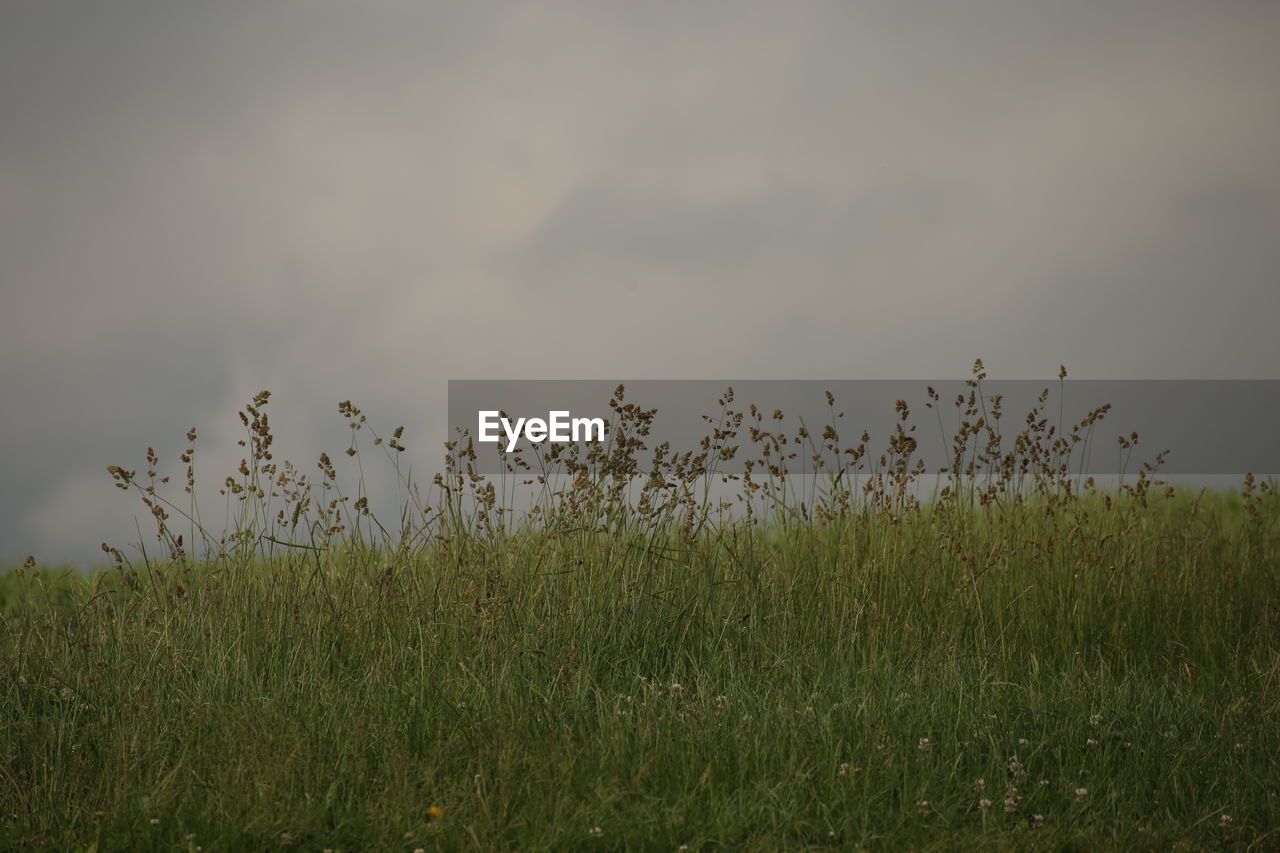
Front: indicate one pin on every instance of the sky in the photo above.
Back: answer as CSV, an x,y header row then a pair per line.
x,y
362,201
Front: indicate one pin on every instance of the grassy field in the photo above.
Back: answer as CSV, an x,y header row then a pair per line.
x,y
1063,671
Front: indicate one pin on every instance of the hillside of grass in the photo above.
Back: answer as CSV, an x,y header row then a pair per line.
x,y
986,670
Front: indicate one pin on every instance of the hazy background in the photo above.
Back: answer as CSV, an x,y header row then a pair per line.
x,y
361,200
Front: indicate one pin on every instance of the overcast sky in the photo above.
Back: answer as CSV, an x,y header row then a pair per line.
x,y
362,200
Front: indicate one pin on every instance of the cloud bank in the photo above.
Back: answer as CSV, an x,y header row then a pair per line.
x,y
336,202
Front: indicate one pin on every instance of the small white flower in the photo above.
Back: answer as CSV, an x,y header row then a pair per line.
x,y
595,832
1081,794
923,743
155,821
1224,821
984,803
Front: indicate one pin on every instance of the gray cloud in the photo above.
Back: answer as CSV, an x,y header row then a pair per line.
x,y
746,239
335,201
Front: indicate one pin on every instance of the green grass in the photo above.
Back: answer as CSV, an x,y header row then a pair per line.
x,y
1021,662
743,689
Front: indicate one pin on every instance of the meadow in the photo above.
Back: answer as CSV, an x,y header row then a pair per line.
x,y
1016,661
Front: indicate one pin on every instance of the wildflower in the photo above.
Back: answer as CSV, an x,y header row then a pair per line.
x,y
155,821
923,743
1022,741
596,832
1081,793
922,807
1015,766
979,785
676,689
844,769
1036,821
1090,743
1224,821
1095,719
435,811
984,804
1011,800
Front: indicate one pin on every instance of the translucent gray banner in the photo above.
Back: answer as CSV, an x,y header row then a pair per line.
x,y
1207,427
